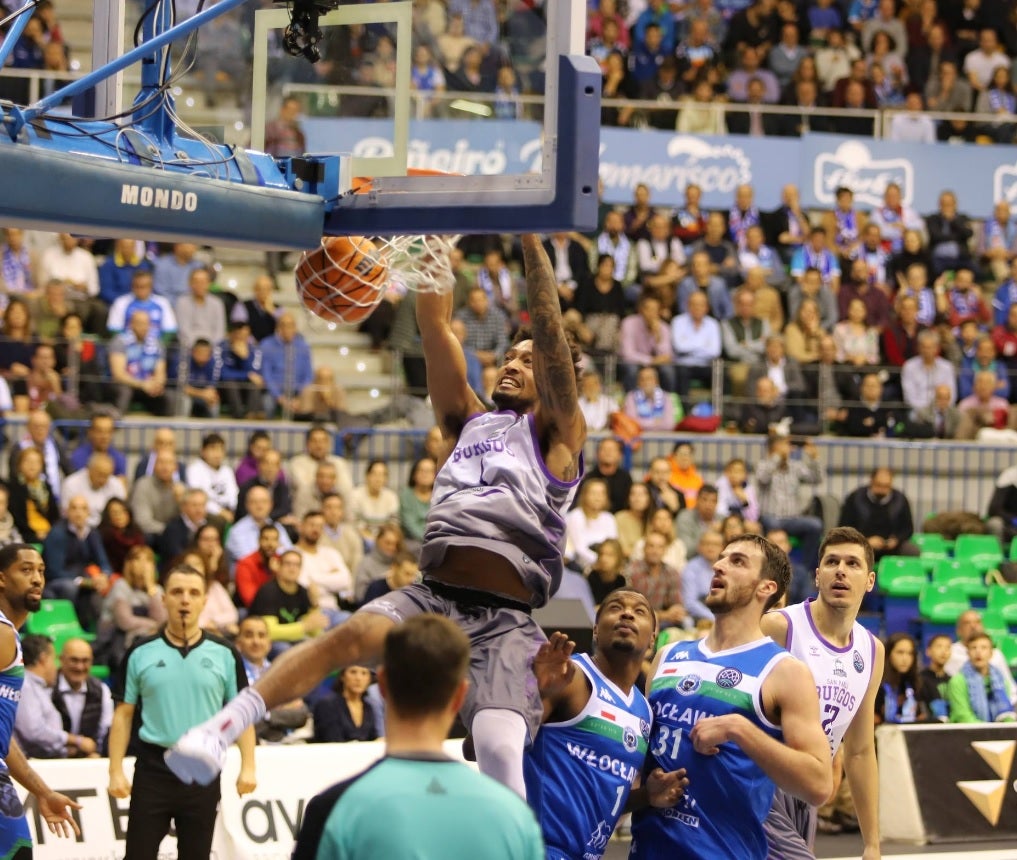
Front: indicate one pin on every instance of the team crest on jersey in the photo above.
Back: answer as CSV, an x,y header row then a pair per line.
x,y
728,678
644,729
688,685
838,669
629,740
859,663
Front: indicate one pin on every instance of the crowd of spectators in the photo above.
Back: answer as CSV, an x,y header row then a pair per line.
x,y
708,65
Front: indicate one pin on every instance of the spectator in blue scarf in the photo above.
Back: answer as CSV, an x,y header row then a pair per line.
x,y
977,693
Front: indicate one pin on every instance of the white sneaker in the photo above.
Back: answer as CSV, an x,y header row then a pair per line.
x,y
199,756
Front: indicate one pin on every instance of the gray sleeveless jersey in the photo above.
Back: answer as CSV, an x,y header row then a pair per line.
x,y
495,492
842,674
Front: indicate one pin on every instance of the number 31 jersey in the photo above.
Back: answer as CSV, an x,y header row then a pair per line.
x,y
728,795
842,674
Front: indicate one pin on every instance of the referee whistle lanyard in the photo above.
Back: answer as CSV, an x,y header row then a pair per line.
x,y
187,638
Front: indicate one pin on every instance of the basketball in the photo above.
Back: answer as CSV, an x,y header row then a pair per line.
x,y
343,279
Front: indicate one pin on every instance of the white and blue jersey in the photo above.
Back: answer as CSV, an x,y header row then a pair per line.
x,y
728,796
14,833
579,773
495,492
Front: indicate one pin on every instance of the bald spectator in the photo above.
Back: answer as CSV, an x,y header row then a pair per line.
x,y
99,438
164,439
882,514
137,363
310,498
84,703
38,727
38,434
96,484
155,498
243,536
172,271
941,419
285,366
920,375
77,567
301,470
970,624
200,314
984,408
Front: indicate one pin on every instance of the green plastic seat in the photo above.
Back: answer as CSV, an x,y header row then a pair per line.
x,y
983,551
1002,599
963,574
930,544
1013,550
942,604
1008,648
901,576
995,624
58,620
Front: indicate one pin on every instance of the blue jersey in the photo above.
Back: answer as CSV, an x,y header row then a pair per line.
x,y
495,492
12,678
579,773
728,796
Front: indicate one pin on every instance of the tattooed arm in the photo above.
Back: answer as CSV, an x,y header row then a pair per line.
x,y
560,423
451,396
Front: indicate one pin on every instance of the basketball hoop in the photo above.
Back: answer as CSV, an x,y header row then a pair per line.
x,y
422,262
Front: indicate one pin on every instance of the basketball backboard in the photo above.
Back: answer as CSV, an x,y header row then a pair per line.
x,y
141,176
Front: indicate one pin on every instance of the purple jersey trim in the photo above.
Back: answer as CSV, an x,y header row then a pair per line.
x,y
558,482
790,629
808,614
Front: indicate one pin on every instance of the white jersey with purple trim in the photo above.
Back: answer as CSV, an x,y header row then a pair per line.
x,y
495,492
842,674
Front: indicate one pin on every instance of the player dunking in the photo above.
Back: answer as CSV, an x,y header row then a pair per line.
x,y
847,664
492,547
738,713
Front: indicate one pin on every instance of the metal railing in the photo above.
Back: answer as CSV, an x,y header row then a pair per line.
x,y
936,476
326,99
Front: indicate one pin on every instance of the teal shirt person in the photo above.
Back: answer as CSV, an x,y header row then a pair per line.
x,y
174,698
419,807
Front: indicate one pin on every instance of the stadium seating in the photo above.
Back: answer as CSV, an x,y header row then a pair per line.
x,y
942,604
1008,648
960,573
900,576
1002,599
983,551
57,620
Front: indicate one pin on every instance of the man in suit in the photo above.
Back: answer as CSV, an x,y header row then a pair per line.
x,y
750,119
571,265
181,530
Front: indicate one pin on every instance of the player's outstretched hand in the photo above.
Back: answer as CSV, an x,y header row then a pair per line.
x,y
665,788
55,808
198,756
709,733
552,666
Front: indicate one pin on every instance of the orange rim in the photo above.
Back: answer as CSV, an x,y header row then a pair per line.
x,y
364,184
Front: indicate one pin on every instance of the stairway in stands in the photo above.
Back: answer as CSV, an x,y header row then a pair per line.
x,y
366,375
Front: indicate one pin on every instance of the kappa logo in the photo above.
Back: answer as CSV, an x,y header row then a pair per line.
x,y
987,795
1004,185
688,685
858,662
598,839
853,166
606,696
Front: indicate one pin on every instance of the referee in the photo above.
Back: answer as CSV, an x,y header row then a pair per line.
x,y
174,680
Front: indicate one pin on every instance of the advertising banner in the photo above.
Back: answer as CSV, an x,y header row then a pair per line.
x,y
258,826
667,162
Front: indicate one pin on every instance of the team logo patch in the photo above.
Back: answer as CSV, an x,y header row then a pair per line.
x,y
838,669
688,685
728,678
644,729
206,663
858,663
629,740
